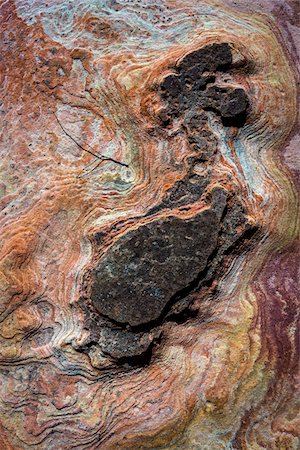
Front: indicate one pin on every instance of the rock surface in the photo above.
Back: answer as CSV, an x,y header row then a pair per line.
x,y
149,225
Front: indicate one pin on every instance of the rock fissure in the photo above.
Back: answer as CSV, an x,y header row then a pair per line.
x,y
148,276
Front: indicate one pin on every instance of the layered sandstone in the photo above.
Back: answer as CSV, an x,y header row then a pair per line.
x,y
149,225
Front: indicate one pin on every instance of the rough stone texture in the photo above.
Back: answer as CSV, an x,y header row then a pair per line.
x,y
146,268
192,87
151,271
191,110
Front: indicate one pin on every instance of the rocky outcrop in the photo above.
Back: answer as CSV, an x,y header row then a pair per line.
x,y
149,225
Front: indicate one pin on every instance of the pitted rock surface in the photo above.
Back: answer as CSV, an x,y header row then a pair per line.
x,y
191,87
219,366
145,268
149,273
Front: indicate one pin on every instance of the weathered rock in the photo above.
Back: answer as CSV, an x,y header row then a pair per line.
x,y
151,271
192,86
135,116
146,268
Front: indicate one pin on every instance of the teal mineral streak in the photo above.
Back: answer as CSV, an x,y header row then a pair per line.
x,y
148,28
249,169
143,25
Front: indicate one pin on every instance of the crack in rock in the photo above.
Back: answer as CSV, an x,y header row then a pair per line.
x,y
149,273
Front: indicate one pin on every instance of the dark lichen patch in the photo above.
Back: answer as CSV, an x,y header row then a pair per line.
x,y
191,88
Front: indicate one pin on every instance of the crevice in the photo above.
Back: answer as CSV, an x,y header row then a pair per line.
x,y
142,360
182,316
236,121
100,157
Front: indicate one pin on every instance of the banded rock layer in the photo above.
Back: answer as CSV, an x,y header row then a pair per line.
x,y
149,225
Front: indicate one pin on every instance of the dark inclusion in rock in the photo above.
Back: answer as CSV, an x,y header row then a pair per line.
x,y
140,274
191,87
125,345
146,272
148,275
183,192
150,272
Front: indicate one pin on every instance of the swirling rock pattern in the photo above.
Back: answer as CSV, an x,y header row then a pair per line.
x,y
149,225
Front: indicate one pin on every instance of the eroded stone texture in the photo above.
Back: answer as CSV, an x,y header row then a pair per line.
x,y
192,87
196,100
150,272
146,268
183,192
125,345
